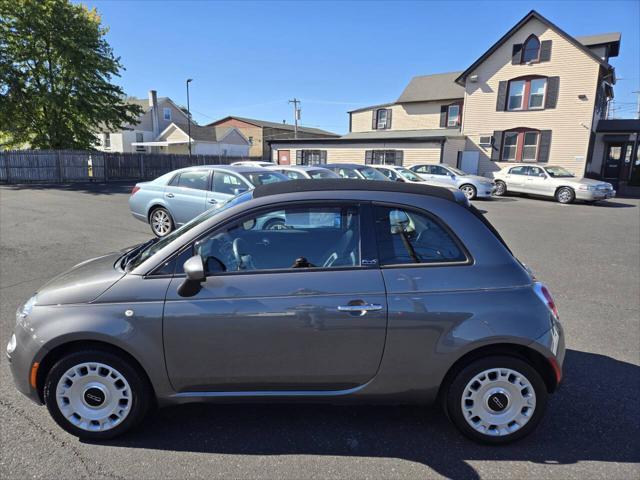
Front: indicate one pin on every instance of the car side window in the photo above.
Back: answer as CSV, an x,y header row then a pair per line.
x,y
405,236
536,172
390,174
174,181
346,173
438,170
519,170
291,238
423,169
197,180
227,183
293,175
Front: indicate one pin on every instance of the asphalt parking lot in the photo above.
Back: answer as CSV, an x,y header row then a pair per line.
x,y
588,255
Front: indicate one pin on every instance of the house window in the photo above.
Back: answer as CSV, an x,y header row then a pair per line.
x,y
381,122
453,115
527,94
531,50
510,146
106,140
383,157
520,146
250,140
167,113
311,157
139,139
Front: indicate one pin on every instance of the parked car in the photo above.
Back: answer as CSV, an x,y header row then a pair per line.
x,y
355,171
173,199
251,163
473,186
375,292
551,181
301,172
403,174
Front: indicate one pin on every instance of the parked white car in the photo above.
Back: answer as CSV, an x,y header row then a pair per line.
x,y
473,186
300,172
251,163
551,181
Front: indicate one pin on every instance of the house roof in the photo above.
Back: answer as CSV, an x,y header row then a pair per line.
x,y
200,133
144,103
282,126
611,38
531,15
370,107
440,86
435,135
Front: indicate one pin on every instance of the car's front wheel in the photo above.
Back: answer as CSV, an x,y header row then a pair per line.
x,y
161,222
565,195
95,394
469,191
496,399
501,188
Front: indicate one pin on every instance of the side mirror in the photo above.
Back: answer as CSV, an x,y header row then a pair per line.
x,y
399,221
453,177
194,271
399,179
238,191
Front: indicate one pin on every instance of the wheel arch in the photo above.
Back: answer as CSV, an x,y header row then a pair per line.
x,y
59,351
522,352
157,204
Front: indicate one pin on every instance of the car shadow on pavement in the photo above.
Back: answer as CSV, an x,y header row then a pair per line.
x,y
96,188
593,417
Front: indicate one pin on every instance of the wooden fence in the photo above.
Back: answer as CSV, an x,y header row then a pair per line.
x,y
65,166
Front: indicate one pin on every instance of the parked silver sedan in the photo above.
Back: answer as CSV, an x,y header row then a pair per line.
x,y
304,172
551,181
175,198
473,186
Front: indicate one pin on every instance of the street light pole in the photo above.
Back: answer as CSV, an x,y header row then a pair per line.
x,y
189,80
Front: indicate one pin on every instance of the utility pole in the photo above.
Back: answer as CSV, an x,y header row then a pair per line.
x,y
637,92
189,80
296,116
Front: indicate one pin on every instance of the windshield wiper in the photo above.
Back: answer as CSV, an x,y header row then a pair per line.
x,y
135,251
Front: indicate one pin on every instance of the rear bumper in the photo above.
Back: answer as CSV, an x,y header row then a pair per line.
x,y
139,216
552,345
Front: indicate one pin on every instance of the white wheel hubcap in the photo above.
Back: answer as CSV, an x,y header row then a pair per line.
x,y
565,196
160,222
468,191
93,396
498,402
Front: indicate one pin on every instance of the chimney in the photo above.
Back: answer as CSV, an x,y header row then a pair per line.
x,y
155,116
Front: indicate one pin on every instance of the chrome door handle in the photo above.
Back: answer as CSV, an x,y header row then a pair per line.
x,y
213,201
169,195
369,307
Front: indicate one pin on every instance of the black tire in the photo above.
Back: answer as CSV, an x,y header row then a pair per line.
x,y
140,392
565,195
501,188
274,224
157,231
469,191
454,392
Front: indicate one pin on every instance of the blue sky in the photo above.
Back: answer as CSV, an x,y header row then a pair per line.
x,y
249,58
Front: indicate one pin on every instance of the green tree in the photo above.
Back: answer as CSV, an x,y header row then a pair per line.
x,y
56,70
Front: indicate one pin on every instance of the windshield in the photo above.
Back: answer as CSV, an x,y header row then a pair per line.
x,y
152,248
321,174
408,174
457,171
372,174
559,172
262,178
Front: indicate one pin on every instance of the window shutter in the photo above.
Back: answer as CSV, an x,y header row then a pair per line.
x,y
545,146
516,55
374,120
545,50
501,102
443,116
323,156
388,122
368,157
553,88
497,145
298,157
399,157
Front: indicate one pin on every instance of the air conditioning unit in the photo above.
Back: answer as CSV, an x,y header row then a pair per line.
x,y
486,141
473,78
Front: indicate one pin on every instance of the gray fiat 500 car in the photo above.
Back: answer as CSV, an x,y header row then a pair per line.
x,y
173,199
371,292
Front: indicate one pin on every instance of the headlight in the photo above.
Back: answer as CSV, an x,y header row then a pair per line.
x,y
11,346
590,188
24,311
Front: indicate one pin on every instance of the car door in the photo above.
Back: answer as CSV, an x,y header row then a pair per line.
x,y
187,195
441,174
224,186
536,182
515,178
299,308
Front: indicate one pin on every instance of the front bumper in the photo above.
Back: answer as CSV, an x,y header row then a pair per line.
x,y
594,195
485,191
21,362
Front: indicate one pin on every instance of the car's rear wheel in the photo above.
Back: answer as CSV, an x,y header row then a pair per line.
x,y
497,399
95,394
501,188
274,224
161,222
469,191
565,195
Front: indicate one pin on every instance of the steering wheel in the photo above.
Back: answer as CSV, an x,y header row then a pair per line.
x,y
238,246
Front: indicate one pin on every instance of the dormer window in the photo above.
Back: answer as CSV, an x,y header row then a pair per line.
x,y
166,113
382,119
531,50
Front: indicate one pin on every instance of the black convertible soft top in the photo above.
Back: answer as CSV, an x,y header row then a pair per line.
x,y
332,184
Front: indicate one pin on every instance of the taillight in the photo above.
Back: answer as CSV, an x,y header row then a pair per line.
x,y
545,295
134,190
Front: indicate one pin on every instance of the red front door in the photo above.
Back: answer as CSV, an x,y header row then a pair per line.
x,y
284,157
